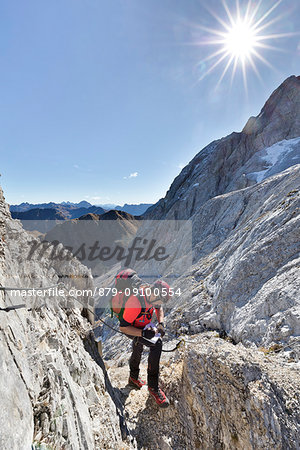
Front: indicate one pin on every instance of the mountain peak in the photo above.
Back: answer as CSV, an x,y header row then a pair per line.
x,y
89,216
279,109
116,215
228,164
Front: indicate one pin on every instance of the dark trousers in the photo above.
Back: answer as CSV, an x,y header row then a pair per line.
x,y
153,360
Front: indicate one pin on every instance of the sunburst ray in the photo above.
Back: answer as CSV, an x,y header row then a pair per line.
x,y
240,37
214,66
267,13
225,70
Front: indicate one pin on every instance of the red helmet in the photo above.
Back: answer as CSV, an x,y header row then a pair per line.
x,y
163,288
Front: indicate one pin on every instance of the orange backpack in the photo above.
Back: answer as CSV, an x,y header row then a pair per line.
x,y
125,282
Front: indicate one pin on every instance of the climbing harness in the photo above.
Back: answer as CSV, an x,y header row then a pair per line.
x,y
98,319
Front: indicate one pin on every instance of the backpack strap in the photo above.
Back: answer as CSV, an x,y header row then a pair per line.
x,y
143,305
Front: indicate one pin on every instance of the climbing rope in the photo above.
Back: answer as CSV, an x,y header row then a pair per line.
x,y
4,288
23,305
118,331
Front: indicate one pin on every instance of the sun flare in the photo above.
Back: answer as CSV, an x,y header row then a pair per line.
x,y
241,39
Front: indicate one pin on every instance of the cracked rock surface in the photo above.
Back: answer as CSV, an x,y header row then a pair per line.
x,y
54,388
222,396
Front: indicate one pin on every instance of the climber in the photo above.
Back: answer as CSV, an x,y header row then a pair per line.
x,y
135,322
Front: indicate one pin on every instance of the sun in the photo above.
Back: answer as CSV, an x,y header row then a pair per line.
x,y
240,40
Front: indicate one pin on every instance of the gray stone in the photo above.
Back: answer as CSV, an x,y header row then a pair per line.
x,y
47,375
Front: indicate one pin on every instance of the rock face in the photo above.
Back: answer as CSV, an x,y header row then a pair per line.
x,y
53,385
215,170
245,278
234,398
241,194
222,397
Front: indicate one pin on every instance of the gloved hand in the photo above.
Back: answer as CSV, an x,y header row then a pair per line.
x,y
149,333
161,329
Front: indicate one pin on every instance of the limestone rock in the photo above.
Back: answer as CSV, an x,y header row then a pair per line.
x,y
236,398
221,396
53,384
245,278
216,169
241,194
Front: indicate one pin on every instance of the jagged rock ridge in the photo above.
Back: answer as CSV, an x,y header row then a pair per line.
x,y
215,170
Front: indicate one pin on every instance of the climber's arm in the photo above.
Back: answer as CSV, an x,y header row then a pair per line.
x,y
159,314
131,331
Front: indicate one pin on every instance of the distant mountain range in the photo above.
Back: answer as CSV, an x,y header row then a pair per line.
x,y
135,210
58,212
44,216
69,210
25,206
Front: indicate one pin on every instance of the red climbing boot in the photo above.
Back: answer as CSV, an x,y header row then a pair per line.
x,y
137,383
159,396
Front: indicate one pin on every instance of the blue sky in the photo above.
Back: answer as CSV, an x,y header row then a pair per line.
x,y
104,101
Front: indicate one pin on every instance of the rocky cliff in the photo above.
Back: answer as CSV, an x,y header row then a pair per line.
x,y
222,166
54,388
241,195
223,396
245,277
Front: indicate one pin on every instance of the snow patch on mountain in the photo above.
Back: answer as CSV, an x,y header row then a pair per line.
x,y
277,158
